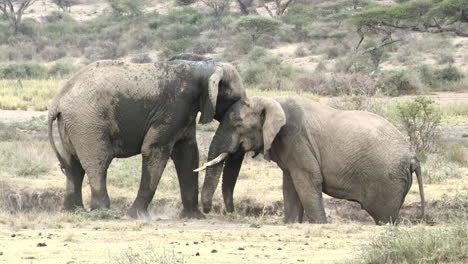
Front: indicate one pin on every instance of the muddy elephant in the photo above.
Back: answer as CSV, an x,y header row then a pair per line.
x,y
352,155
114,109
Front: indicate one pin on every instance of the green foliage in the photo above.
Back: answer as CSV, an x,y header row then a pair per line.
x,y
258,26
447,10
62,69
395,83
173,47
34,70
299,16
439,78
420,118
127,8
185,2
417,15
23,71
418,245
183,15
261,67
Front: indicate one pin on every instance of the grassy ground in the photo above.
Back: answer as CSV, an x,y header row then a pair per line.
x,y
34,230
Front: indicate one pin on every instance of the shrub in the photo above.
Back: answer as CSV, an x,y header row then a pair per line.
x,y
439,78
261,67
300,51
185,2
184,15
173,47
53,53
258,26
420,118
418,245
395,83
336,84
141,58
129,8
359,103
23,71
61,69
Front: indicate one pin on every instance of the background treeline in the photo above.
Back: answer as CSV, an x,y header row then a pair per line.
x,y
359,47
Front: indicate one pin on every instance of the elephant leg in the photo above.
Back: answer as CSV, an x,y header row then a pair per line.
x,y
230,174
95,155
185,157
154,161
308,185
97,180
293,209
75,174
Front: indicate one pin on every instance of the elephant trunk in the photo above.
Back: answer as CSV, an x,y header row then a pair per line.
x,y
218,146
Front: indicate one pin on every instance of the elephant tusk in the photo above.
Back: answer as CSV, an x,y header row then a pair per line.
x,y
215,161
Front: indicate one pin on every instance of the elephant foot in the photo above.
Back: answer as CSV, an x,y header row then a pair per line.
x,y
71,203
192,214
138,213
101,203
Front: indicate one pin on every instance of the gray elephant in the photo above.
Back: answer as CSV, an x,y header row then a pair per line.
x,y
352,155
113,109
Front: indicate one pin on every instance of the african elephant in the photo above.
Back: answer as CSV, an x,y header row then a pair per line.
x,y
114,109
352,155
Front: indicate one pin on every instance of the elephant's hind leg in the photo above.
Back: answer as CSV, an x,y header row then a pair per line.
x,y
95,155
75,174
185,157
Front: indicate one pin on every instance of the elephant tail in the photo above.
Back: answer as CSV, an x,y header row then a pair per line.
x,y
416,167
53,115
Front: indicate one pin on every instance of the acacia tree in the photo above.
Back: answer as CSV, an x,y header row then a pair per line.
x,y
433,16
281,6
219,6
65,5
247,7
258,26
13,10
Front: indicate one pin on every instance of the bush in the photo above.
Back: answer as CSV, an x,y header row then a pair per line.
x,y
23,71
53,53
129,8
395,83
420,118
261,67
419,245
258,26
174,47
336,84
61,69
439,78
359,103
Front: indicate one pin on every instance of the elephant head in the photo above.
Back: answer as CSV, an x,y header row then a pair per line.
x,y
249,125
221,85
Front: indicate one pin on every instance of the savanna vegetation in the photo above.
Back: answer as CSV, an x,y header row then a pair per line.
x,y
404,60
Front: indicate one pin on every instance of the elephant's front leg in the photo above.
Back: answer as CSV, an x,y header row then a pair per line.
x,y
293,209
308,185
231,170
185,157
154,160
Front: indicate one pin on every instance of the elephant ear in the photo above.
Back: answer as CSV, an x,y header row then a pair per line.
x,y
225,75
275,119
209,98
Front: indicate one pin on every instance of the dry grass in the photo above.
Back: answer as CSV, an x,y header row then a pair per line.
x,y
28,94
32,186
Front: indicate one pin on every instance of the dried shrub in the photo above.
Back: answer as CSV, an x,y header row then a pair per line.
x,y
336,84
